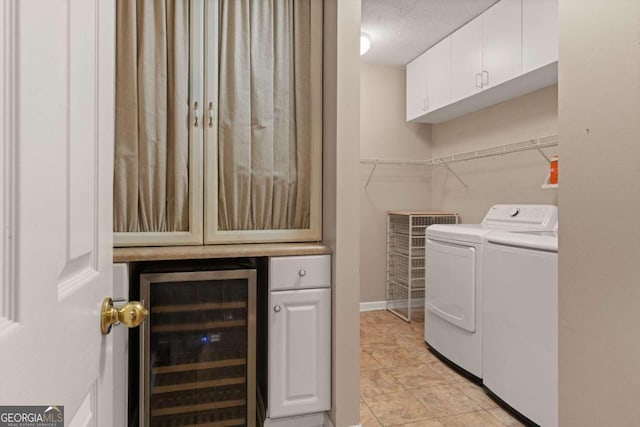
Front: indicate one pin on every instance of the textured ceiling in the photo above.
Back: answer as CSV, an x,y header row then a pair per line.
x,y
400,30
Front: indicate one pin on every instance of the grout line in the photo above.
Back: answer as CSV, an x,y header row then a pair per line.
x,y
452,382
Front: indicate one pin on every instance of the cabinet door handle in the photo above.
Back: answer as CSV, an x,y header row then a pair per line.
x,y
196,113
427,104
211,114
485,81
302,273
478,80
277,309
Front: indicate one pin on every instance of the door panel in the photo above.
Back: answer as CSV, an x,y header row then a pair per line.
x,y
451,283
439,75
539,33
300,352
416,87
60,115
502,42
7,158
520,329
466,60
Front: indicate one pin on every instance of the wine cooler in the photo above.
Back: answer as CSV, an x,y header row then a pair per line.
x,y
197,348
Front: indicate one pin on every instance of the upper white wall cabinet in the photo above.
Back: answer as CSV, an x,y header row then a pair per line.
x,y
466,60
539,33
439,75
430,76
417,90
509,50
501,43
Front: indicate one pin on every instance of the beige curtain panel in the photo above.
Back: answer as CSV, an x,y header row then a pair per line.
x,y
151,184
264,138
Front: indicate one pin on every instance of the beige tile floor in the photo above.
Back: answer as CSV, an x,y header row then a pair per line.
x,y
403,384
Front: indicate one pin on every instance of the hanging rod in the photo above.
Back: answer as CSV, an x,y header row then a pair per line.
x,y
499,150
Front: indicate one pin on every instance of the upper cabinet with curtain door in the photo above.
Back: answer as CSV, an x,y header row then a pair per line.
x,y
219,106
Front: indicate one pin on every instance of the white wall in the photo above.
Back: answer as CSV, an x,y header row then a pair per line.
x,y
384,133
513,178
599,270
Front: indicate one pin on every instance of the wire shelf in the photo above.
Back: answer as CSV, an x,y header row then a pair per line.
x,y
406,259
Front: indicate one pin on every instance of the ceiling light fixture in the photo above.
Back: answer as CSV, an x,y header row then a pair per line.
x,y
365,43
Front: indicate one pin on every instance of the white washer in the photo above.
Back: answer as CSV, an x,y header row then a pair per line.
x,y
453,300
520,315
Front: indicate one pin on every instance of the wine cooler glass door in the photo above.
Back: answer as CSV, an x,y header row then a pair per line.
x,y
198,356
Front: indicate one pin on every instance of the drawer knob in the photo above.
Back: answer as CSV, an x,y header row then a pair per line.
x,y
276,309
302,273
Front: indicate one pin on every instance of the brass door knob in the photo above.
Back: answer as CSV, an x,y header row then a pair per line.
x,y
131,315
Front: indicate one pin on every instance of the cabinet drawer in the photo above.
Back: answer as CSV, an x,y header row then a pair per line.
x,y
299,272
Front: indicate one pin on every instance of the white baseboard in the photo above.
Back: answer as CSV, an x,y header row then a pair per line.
x,y
312,420
373,306
417,303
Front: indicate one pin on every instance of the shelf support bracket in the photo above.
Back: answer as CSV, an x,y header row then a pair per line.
x,y
543,155
373,169
446,165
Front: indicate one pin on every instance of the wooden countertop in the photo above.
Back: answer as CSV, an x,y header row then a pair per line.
x,y
163,253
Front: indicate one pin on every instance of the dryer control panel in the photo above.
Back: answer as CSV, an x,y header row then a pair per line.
x,y
521,217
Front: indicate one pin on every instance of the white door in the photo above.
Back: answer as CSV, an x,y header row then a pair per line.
x,y
502,42
57,83
439,75
466,60
451,283
300,352
417,87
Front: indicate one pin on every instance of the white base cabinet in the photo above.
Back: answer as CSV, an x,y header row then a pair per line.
x,y
299,335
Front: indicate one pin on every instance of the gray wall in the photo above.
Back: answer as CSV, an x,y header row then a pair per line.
x,y
599,271
513,178
384,133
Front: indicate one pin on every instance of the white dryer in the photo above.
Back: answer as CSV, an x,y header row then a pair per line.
x,y
453,297
520,322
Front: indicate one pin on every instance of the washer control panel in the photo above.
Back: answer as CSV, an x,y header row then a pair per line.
x,y
521,217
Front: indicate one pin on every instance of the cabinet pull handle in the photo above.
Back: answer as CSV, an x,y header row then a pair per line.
x,y
196,113
302,273
485,82
211,114
427,104
478,80
277,309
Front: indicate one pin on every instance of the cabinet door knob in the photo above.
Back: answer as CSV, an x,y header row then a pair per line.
x,y
277,309
302,273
